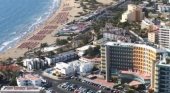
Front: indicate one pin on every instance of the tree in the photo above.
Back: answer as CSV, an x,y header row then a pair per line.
x,y
60,50
61,41
13,81
130,91
38,53
9,60
51,53
43,45
19,61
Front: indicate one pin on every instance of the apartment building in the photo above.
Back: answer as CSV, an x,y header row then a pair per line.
x,y
163,8
134,13
41,63
164,36
114,33
118,56
29,80
153,37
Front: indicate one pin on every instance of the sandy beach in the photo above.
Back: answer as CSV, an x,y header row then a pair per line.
x,y
44,34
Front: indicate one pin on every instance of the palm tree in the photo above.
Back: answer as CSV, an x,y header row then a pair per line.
x,y
9,60
43,45
51,53
38,53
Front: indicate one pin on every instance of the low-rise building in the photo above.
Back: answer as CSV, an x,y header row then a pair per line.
x,y
114,33
73,29
73,67
82,50
163,8
63,68
62,57
151,25
36,63
29,80
40,63
95,61
23,89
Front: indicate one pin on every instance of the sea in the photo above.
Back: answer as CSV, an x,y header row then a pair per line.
x,y
20,17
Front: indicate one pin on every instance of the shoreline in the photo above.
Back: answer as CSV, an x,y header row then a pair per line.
x,y
44,33
11,52
31,29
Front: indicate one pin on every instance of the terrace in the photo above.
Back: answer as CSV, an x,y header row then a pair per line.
x,y
74,28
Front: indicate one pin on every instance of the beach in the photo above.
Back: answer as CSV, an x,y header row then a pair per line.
x,y
44,33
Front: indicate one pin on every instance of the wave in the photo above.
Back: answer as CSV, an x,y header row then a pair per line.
x,y
37,22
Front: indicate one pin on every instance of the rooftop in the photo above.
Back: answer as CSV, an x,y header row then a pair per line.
x,y
153,47
165,61
142,75
85,47
29,77
64,53
133,83
16,88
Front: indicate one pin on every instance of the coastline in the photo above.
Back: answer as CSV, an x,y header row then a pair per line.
x,y
44,33
14,52
37,20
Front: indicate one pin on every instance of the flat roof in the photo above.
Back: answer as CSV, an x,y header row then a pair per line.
x,y
133,83
155,48
29,77
17,88
142,75
85,47
165,62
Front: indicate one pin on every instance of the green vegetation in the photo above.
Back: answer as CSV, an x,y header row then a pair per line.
x,y
130,91
51,53
19,61
10,77
43,45
61,41
92,52
136,1
88,6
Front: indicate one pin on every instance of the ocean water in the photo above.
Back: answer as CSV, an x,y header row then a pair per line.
x,y
19,17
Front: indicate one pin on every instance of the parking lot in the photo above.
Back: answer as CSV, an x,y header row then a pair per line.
x,y
70,85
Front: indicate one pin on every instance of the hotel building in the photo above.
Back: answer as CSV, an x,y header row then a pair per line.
x,y
162,76
134,13
117,56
